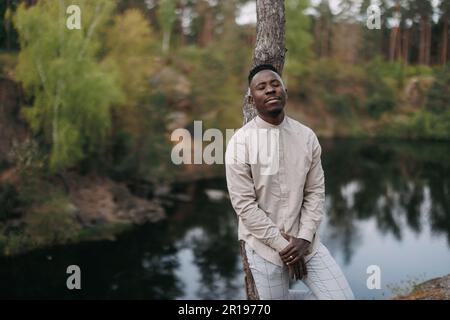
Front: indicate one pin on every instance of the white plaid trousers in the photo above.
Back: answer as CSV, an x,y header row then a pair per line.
x,y
325,279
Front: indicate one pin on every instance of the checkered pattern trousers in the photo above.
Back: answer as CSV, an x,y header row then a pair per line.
x,y
325,279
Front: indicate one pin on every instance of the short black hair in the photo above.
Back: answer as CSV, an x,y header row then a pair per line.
x,y
259,68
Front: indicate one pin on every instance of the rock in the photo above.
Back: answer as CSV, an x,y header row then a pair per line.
x,y
99,200
434,289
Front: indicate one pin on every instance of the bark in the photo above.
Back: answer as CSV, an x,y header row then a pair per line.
x,y
405,51
206,35
444,50
394,43
270,48
427,43
270,42
421,42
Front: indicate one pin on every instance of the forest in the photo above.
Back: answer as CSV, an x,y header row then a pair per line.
x,y
86,115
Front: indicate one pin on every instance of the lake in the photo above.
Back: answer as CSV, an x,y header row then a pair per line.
x,y
387,204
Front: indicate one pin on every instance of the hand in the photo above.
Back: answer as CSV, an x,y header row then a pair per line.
x,y
293,256
298,270
296,249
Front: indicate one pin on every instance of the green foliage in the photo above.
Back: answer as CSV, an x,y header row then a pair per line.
x,y
215,91
8,62
166,18
52,222
438,99
419,125
380,95
340,104
139,144
30,163
131,46
48,223
72,91
378,103
298,37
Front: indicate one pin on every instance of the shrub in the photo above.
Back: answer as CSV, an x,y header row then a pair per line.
x,y
377,104
438,97
51,222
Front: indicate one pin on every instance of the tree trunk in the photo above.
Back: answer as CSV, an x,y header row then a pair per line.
x,y
270,42
206,34
405,51
393,43
270,48
421,42
428,43
444,50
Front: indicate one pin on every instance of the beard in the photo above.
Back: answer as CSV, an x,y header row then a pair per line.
x,y
274,112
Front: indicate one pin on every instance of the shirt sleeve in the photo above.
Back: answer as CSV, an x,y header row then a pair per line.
x,y
243,197
312,209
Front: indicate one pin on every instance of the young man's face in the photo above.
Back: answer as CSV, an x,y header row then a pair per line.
x,y
268,93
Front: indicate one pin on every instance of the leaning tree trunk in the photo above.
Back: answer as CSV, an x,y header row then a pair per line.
x,y
270,48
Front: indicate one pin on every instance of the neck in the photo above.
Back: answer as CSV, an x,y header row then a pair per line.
x,y
275,120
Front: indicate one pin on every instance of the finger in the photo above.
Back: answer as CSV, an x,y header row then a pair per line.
x,y
294,260
291,259
291,274
294,268
287,249
299,271
291,252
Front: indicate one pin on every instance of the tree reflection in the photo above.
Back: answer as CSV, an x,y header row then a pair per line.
x,y
140,265
215,248
392,182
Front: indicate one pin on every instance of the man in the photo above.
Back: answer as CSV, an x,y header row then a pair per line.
x,y
276,186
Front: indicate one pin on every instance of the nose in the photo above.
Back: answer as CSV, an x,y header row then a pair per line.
x,y
270,89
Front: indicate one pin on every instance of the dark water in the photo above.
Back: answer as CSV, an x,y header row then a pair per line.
x,y
388,204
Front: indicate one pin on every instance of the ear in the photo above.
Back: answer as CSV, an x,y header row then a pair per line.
x,y
250,99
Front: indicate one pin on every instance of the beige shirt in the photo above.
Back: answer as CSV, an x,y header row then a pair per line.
x,y
276,183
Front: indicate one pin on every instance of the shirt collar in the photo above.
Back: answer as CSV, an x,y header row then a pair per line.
x,y
264,124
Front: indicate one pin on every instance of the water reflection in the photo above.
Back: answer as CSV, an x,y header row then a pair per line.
x,y
140,265
389,182
214,246
387,203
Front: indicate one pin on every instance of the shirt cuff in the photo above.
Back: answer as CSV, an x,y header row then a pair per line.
x,y
306,234
280,243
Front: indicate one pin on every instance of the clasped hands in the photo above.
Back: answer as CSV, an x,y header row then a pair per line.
x,y
293,256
